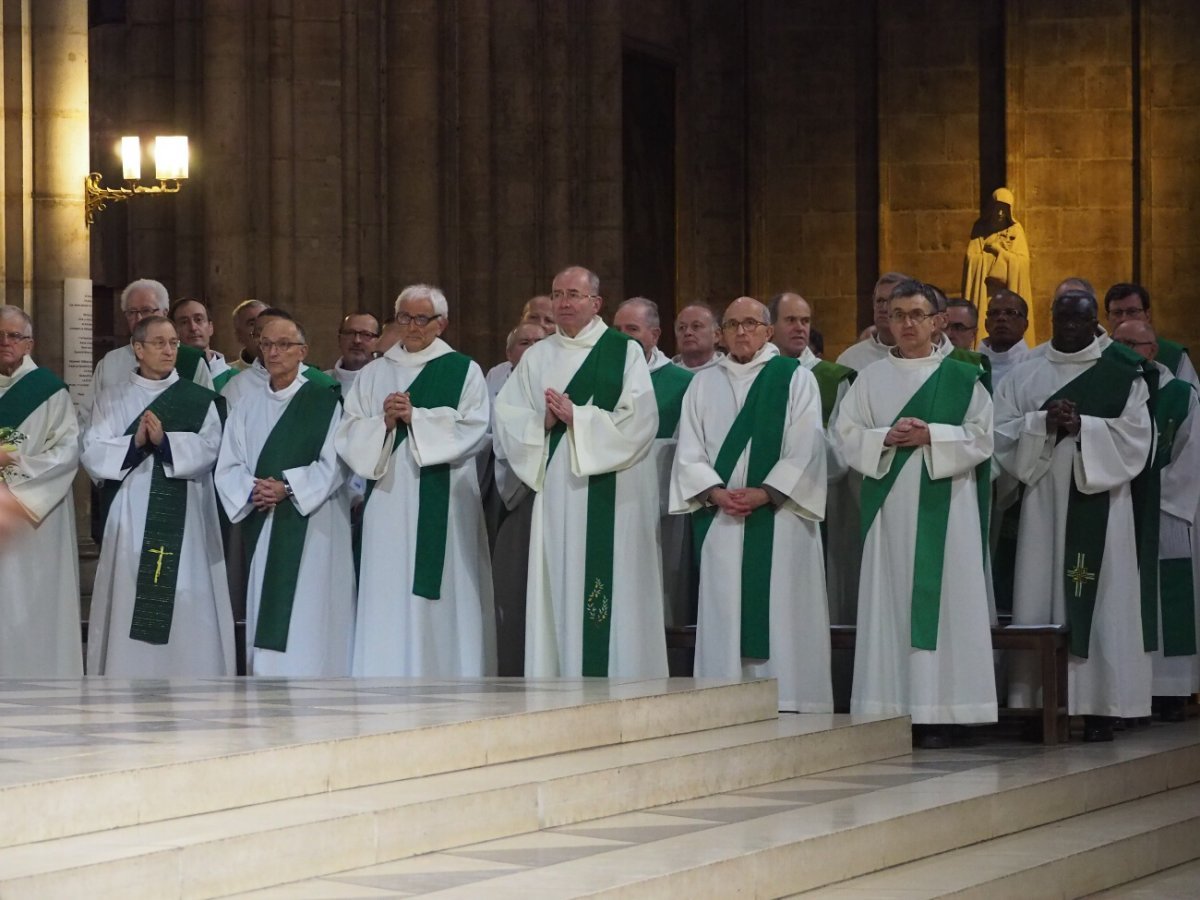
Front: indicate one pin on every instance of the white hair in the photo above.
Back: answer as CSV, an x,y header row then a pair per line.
x,y
161,298
429,292
15,312
593,279
648,306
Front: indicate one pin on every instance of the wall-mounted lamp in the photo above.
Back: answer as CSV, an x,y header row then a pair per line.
x,y
170,168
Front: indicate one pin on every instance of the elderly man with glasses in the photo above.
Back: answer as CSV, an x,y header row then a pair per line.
x,y
160,605
280,479
918,427
357,339
415,421
140,300
571,423
39,563
751,470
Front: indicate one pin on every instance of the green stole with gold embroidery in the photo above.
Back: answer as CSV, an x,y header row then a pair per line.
x,y
1100,392
182,407
599,380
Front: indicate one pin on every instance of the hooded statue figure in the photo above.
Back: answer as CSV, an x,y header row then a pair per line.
x,y
998,257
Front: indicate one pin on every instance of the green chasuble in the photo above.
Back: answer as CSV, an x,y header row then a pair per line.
x,y
830,376
670,383
943,399
598,380
439,383
1100,392
182,407
221,380
23,398
759,423
1170,354
1176,585
294,442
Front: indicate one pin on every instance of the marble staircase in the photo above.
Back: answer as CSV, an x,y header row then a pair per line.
x,y
212,788
995,820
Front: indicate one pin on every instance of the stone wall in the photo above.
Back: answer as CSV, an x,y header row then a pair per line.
x,y
343,150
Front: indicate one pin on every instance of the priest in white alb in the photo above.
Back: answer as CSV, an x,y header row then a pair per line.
x,y
573,421
280,478
918,428
1072,425
415,421
160,605
751,468
39,562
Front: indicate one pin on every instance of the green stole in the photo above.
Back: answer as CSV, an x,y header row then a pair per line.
x,y
599,380
1100,392
188,360
221,380
829,376
1170,354
670,383
30,391
439,383
943,399
759,423
1176,585
979,360
294,441
182,407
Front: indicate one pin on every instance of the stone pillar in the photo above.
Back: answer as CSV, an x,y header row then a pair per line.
x,y
58,59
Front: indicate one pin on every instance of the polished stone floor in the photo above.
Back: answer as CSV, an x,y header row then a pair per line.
x,y
57,729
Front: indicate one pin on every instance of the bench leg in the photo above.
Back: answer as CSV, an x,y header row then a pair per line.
x,y
1050,689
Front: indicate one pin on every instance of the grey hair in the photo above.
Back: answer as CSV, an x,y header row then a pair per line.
x,y
892,278
161,298
429,292
245,304
593,279
648,306
140,329
15,312
704,307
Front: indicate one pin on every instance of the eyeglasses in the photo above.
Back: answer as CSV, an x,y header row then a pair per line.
x,y
573,296
142,312
420,321
1128,312
162,343
748,325
14,337
361,335
282,346
1004,314
916,317
959,326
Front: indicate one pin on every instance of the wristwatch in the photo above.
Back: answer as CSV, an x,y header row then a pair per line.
x,y
288,489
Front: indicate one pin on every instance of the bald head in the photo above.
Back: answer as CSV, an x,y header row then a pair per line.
x,y
747,328
539,311
1138,335
696,332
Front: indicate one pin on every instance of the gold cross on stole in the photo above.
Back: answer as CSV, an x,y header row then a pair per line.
x,y
160,553
1080,574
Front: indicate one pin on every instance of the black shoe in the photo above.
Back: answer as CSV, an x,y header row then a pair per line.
x,y
931,737
963,736
1097,729
1172,709
1031,730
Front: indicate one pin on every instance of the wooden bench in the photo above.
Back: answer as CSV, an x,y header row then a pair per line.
x,y
1049,642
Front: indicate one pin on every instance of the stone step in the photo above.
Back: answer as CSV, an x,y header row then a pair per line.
x,y
438,726
238,849
810,844
1072,858
1180,883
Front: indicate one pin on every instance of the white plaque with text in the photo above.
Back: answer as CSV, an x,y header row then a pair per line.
x,y
77,336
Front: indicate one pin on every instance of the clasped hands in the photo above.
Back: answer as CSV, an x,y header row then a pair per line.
x,y
559,408
150,428
267,493
908,432
397,407
1063,415
739,502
